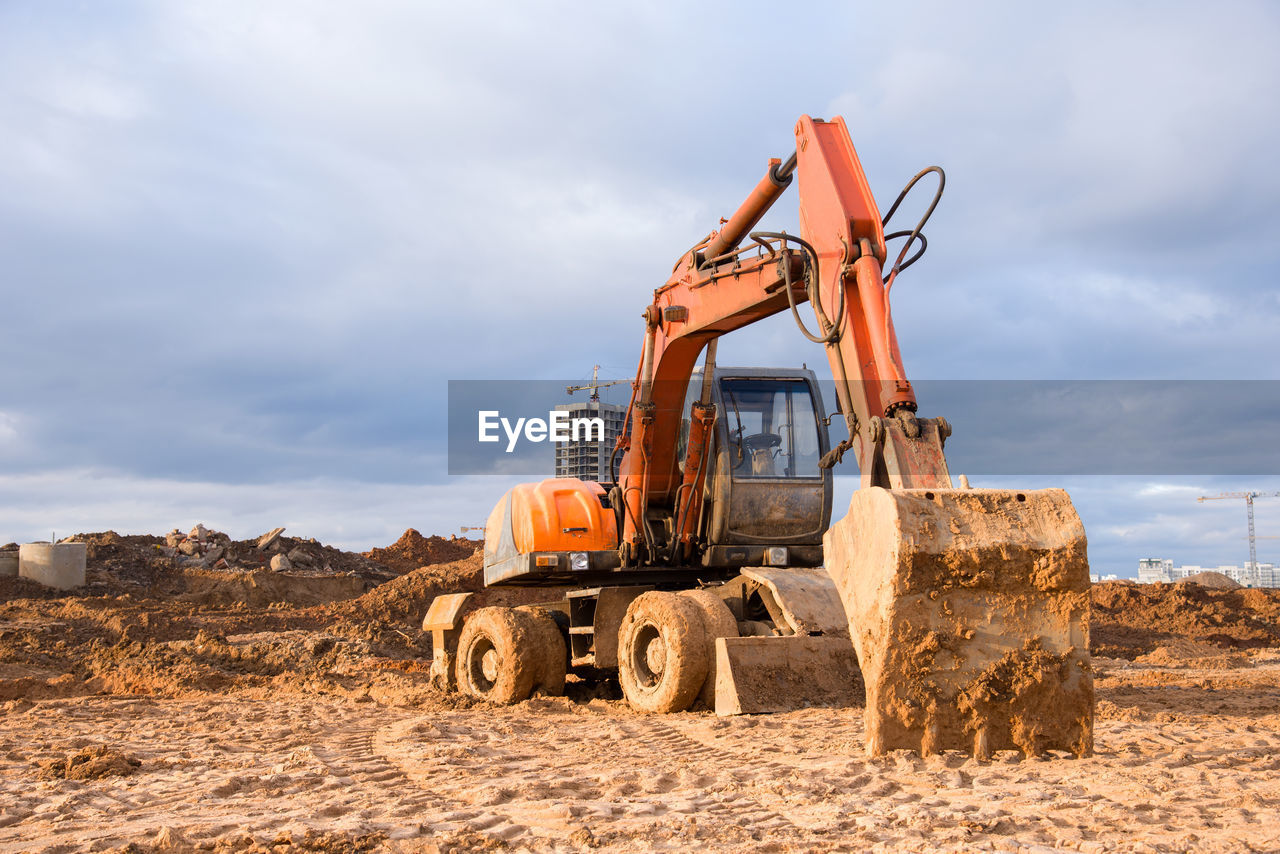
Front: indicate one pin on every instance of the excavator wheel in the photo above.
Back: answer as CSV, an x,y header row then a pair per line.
x,y
550,649
662,652
499,655
717,622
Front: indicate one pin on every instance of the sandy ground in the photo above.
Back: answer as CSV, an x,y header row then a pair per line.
x,y
1187,759
165,709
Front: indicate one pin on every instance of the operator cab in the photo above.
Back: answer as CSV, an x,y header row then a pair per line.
x,y
767,500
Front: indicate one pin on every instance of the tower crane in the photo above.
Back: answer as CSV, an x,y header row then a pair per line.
x,y
595,385
1248,501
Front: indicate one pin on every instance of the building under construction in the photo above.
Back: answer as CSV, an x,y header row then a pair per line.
x,y
586,456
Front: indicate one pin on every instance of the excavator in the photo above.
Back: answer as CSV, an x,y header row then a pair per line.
x,y
708,573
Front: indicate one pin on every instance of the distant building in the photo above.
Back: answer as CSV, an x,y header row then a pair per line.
x,y
1097,578
1154,570
588,458
1162,571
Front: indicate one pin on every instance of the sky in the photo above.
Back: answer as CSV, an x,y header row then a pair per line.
x,y
244,247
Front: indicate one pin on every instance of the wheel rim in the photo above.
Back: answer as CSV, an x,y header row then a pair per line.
x,y
649,656
489,665
483,662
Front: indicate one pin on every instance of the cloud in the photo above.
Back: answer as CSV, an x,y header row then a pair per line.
x,y
250,244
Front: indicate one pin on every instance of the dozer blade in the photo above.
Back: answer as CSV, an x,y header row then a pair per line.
x,y
969,611
811,664
783,674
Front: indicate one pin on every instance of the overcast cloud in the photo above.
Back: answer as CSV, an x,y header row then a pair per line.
x,y
244,246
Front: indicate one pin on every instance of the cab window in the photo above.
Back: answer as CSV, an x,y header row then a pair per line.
x,y
772,428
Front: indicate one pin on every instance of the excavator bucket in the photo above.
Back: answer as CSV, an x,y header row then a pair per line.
x,y
969,611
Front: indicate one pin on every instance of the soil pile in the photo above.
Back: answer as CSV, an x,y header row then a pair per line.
x,y
14,587
404,601
413,550
1214,580
1130,619
90,763
409,596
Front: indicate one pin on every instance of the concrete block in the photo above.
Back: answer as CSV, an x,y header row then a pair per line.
x,y
58,565
8,564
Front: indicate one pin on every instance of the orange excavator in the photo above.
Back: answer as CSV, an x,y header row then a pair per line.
x,y
708,573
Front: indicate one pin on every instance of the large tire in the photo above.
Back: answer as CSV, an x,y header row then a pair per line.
x,y
717,622
498,657
662,653
550,648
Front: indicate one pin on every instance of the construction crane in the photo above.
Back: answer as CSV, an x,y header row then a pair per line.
x,y
595,385
1248,501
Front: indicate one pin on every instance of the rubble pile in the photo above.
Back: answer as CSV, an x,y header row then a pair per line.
x,y
208,567
202,548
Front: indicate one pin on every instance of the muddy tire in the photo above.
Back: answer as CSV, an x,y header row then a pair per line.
x,y
552,653
717,622
498,656
662,652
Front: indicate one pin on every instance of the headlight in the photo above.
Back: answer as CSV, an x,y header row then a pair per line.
x,y
579,561
776,556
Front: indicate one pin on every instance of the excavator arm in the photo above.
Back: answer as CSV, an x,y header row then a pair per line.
x,y
717,288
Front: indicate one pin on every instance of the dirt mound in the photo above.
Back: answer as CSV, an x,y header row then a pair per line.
x,y
1130,619
90,763
1214,580
14,587
407,597
413,550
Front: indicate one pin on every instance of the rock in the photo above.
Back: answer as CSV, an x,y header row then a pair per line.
x,y
280,563
199,532
300,558
214,554
267,539
188,547
173,538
